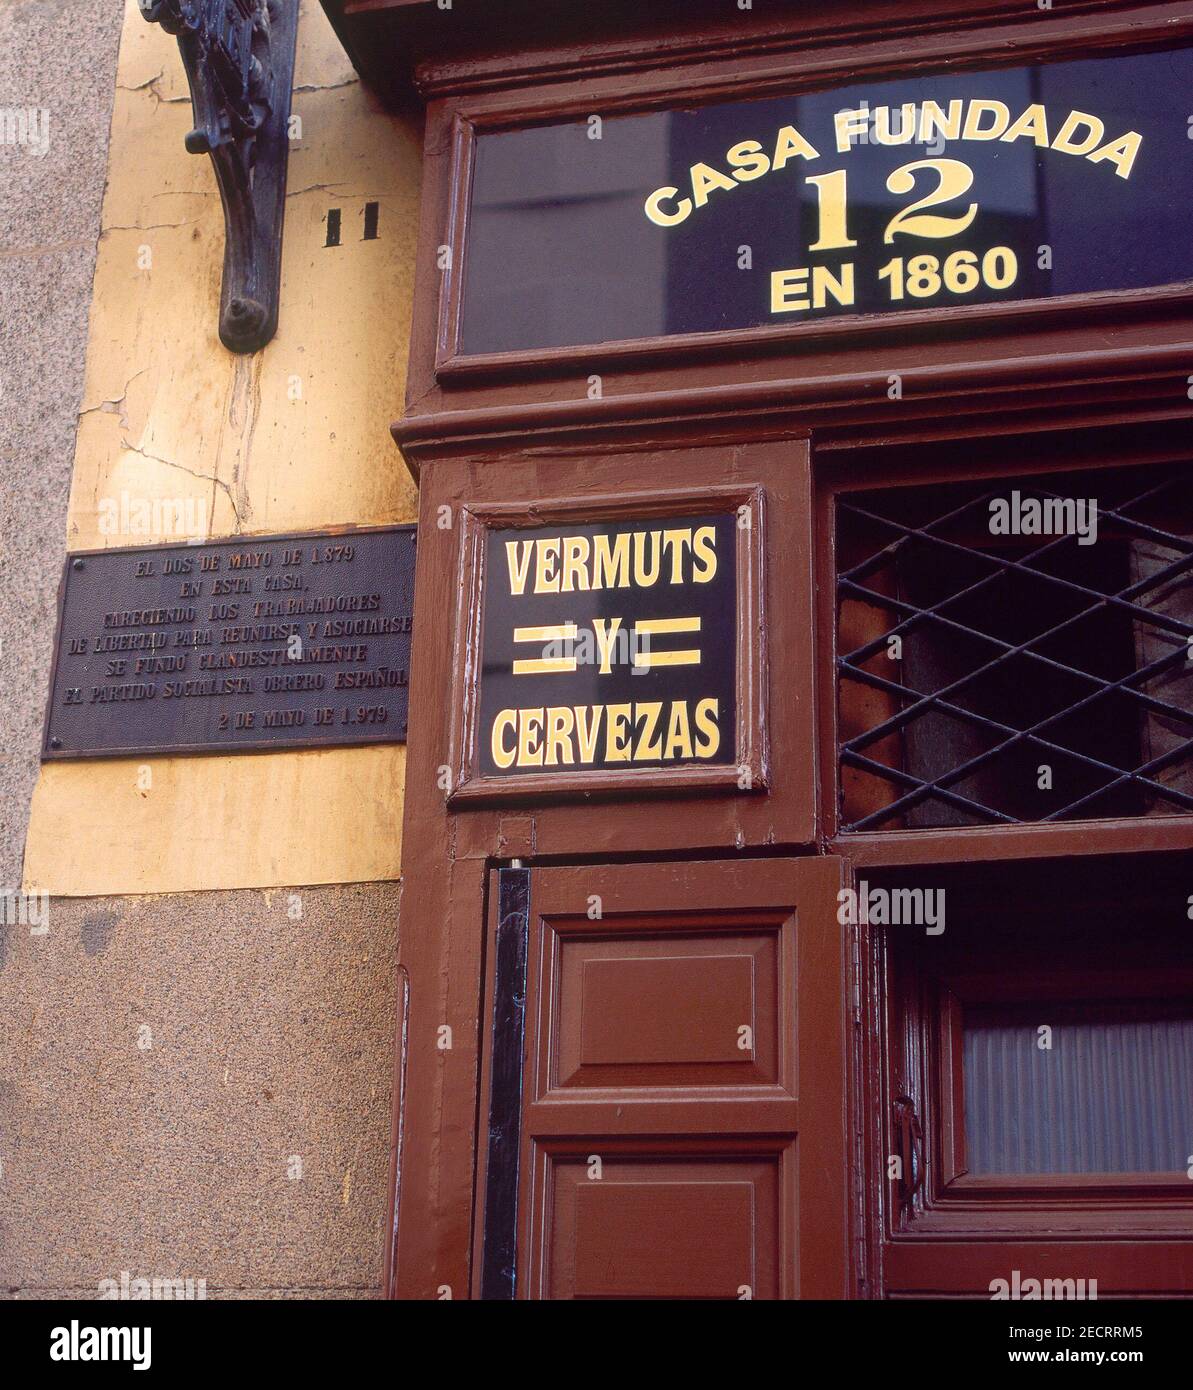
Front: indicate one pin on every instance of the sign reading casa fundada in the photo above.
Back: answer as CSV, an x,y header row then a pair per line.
x,y
934,191
941,201
609,646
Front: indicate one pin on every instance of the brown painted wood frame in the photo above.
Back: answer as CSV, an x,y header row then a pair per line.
x,y
448,846
554,816
567,39
392,42
750,768
799,896
949,1178
747,411
1131,1232
470,97
501,454
848,471
909,1266
1105,412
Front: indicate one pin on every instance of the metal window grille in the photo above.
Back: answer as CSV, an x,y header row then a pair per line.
x,y
992,673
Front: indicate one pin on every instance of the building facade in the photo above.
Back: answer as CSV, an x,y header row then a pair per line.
x,y
242,910
778,883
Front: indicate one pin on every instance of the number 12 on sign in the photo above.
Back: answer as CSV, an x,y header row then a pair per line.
x,y
917,277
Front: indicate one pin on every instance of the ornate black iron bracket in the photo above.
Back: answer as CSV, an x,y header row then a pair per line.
x,y
239,60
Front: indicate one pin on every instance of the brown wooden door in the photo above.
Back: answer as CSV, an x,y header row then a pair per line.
x,y
682,1110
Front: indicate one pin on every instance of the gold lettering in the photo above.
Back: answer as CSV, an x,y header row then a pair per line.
x,y
679,734
704,179
546,574
649,745
530,745
1033,122
748,160
654,208
575,563
1065,137
883,131
1121,153
974,130
675,540
545,665
707,712
507,719
933,119
850,124
617,733
824,283
650,627
704,550
784,285
588,723
606,631
790,144
611,565
518,568
560,722
644,575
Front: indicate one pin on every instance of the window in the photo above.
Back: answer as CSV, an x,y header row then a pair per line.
x,y
1016,650
1105,1086
1044,1042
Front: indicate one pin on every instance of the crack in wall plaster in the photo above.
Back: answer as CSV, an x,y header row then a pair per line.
x,y
115,405
150,86
352,81
242,412
203,477
152,226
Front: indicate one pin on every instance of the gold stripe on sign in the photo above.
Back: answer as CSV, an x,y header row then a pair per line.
x,y
546,665
651,627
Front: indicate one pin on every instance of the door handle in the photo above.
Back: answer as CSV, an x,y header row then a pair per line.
x,y
910,1136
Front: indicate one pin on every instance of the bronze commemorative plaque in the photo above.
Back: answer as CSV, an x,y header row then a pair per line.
x,y
225,646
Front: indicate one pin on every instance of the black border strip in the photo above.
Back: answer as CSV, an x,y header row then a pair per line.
x,y
499,1266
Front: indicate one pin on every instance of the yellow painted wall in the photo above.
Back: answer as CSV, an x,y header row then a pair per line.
x,y
293,438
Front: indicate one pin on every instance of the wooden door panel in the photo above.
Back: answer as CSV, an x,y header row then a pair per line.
x,y
656,1226
666,1149
646,1005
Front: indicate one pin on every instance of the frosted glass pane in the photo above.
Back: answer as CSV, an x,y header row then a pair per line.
x,y
1112,1094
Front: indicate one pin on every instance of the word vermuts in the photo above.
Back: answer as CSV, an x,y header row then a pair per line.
x,y
597,735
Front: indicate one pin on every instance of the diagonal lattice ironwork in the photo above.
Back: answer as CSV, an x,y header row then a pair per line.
x,y
1042,701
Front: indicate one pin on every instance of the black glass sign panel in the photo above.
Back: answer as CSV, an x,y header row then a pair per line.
x,y
962,188
224,646
609,646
